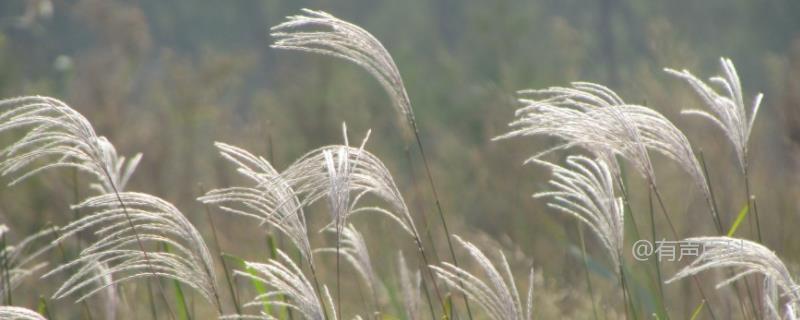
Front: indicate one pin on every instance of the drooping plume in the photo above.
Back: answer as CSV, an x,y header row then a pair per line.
x,y
584,189
727,110
343,175
499,298
19,313
354,250
58,136
322,33
123,223
19,259
268,198
284,278
746,258
593,117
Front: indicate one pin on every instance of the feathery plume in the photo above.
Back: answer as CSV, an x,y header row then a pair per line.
x,y
727,110
18,259
410,285
500,297
128,219
19,313
344,175
593,117
268,198
64,137
584,189
285,278
322,33
354,249
747,258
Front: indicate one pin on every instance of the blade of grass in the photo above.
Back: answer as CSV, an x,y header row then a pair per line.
x,y
183,312
43,309
739,218
697,310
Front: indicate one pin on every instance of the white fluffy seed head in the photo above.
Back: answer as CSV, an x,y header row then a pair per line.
x,y
498,296
726,110
58,136
19,313
354,249
322,33
746,258
593,117
410,286
284,278
118,248
584,189
343,175
19,259
267,197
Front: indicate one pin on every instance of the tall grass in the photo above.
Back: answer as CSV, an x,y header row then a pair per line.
x,y
137,236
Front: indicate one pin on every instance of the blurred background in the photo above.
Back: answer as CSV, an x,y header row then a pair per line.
x,y
168,78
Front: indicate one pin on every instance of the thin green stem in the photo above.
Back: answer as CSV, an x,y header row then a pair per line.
x,y
439,208
657,261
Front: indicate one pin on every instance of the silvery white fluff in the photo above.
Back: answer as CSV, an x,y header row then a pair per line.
x,y
354,249
285,278
584,189
593,117
748,258
156,221
268,198
64,138
343,175
410,285
19,313
727,110
499,298
18,259
328,35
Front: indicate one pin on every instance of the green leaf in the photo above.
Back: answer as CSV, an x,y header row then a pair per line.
x,y
183,311
42,308
257,285
739,219
697,310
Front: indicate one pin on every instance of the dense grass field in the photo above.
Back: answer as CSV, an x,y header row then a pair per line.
x,y
469,161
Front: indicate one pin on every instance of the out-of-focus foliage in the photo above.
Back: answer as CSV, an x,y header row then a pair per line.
x,y
168,78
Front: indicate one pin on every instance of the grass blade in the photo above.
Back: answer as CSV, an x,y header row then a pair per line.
x,y
739,219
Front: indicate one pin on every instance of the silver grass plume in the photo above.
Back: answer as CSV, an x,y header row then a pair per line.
x,y
410,285
747,258
18,259
156,221
727,110
343,175
63,137
584,189
19,313
322,33
59,136
593,117
268,198
354,249
285,279
499,298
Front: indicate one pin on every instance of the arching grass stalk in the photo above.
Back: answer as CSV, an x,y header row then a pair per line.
x,y
322,33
